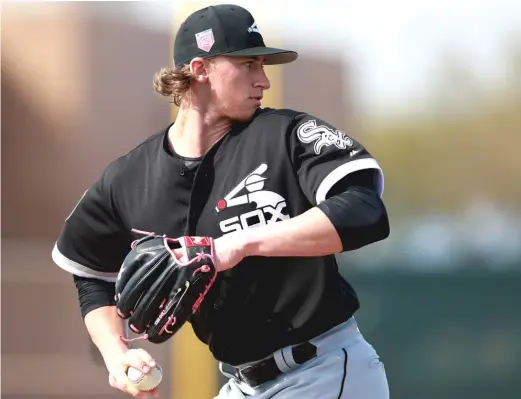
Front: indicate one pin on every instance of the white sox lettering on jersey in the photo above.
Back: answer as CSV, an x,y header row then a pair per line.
x,y
322,135
269,205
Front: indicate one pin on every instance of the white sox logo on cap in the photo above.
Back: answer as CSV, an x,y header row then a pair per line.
x,y
254,28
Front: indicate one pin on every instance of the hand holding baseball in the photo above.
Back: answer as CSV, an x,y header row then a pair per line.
x,y
135,372
145,382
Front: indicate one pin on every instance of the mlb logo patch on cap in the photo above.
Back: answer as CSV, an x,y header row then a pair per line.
x,y
205,40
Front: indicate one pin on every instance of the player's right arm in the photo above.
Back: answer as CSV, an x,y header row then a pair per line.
x,y
91,246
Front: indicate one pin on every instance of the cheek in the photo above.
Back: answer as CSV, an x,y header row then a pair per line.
x,y
231,94
223,90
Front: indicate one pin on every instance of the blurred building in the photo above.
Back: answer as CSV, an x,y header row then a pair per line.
x,y
76,93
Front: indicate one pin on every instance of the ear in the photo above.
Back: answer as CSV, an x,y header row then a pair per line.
x,y
199,70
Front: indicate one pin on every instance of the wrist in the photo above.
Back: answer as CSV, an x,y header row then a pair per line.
x,y
111,346
112,352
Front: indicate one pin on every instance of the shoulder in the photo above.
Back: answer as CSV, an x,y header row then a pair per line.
x,y
277,117
274,123
134,159
297,127
279,114
288,119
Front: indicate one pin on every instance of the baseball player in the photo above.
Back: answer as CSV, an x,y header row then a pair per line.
x,y
278,191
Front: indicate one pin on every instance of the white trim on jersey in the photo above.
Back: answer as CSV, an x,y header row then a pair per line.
x,y
75,268
343,170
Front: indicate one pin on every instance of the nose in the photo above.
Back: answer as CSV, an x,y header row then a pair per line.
x,y
263,80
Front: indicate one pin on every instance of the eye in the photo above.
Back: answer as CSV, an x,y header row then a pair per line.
x,y
248,64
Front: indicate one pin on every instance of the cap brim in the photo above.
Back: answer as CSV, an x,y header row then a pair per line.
x,y
273,56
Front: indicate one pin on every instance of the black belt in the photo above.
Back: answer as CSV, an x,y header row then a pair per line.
x,y
267,369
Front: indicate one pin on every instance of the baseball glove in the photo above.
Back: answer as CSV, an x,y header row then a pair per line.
x,y
156,291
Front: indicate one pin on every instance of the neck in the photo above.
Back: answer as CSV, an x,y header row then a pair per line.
x,y
195,132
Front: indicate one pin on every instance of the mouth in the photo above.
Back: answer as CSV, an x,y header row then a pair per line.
x,y
257,100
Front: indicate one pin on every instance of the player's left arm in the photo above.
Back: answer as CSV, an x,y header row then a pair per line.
x,y
342,181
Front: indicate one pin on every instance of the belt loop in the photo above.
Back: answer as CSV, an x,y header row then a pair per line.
x,y
281,362
226,374
287,354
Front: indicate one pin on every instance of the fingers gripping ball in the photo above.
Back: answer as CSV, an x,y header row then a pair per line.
x,y
162,282
145,382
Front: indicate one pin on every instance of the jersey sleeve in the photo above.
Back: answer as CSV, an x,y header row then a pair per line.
x,y
323,155
93,241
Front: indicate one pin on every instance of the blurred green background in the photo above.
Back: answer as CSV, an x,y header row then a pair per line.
x,y
441,299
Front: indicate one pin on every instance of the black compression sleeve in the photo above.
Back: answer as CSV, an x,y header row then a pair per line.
x,y
358,214
94,293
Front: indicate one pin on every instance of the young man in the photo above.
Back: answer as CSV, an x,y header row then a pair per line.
x,y
281,192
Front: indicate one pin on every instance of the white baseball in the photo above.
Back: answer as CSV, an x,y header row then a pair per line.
x,y
145,382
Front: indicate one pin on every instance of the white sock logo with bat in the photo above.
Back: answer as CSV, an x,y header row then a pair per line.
x,y
269,205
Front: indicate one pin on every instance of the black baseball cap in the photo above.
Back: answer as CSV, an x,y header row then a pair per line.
x,y
224,29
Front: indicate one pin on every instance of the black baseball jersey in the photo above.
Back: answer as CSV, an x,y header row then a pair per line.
x,y
271,169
